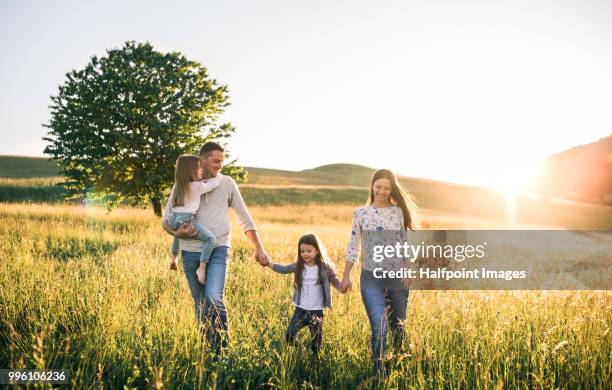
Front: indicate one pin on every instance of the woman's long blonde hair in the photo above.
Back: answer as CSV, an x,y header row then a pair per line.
x,y
185,172
398,197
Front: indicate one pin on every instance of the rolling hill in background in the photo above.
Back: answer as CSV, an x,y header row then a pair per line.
x,y
21,167
34,180
447,198
582,173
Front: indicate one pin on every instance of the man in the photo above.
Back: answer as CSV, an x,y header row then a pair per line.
x,y
208,299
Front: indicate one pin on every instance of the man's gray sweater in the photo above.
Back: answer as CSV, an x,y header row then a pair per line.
x,y
214,214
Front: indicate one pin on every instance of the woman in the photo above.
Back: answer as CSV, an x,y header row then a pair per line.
x,y
388,213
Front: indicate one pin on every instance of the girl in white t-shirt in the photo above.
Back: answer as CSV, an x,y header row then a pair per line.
x,y
188,188
313,276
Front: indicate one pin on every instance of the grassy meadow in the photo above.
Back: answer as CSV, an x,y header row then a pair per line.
x,y
90,291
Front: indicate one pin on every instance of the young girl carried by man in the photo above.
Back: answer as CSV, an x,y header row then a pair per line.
x,y
189,186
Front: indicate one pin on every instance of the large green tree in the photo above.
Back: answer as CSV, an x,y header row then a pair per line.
x,y
118,125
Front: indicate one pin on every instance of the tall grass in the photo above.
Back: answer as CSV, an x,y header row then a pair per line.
x,y
90,292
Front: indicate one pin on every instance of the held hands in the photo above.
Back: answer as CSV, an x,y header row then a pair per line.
x,y
346,285
262,257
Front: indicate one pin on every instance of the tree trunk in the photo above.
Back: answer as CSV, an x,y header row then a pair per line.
x,y
157,209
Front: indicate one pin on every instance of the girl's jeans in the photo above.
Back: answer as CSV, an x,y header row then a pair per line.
x,y
385,301
208,299
311,318
203,234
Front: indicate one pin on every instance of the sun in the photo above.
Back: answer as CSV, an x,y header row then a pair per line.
x,y
515,180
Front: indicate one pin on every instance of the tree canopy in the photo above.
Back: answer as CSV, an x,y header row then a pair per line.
x,y
118,125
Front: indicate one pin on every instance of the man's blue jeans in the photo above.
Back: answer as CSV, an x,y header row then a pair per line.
x,y
385,301
208,299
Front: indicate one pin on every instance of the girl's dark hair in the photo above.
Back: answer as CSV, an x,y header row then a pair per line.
x,y
320,259
398,197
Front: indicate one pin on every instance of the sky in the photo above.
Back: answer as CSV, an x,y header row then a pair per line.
x,y
474,92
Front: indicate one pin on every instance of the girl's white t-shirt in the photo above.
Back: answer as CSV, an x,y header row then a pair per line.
x,y
312,293
191,203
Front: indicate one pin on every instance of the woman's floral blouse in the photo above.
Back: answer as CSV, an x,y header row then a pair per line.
x,y
368,220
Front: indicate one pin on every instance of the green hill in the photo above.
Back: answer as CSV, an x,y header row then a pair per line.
x,y
33,180
349,183
18,167
326,175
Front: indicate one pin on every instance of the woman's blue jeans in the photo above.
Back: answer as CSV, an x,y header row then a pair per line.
x,y
386,302
208,299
